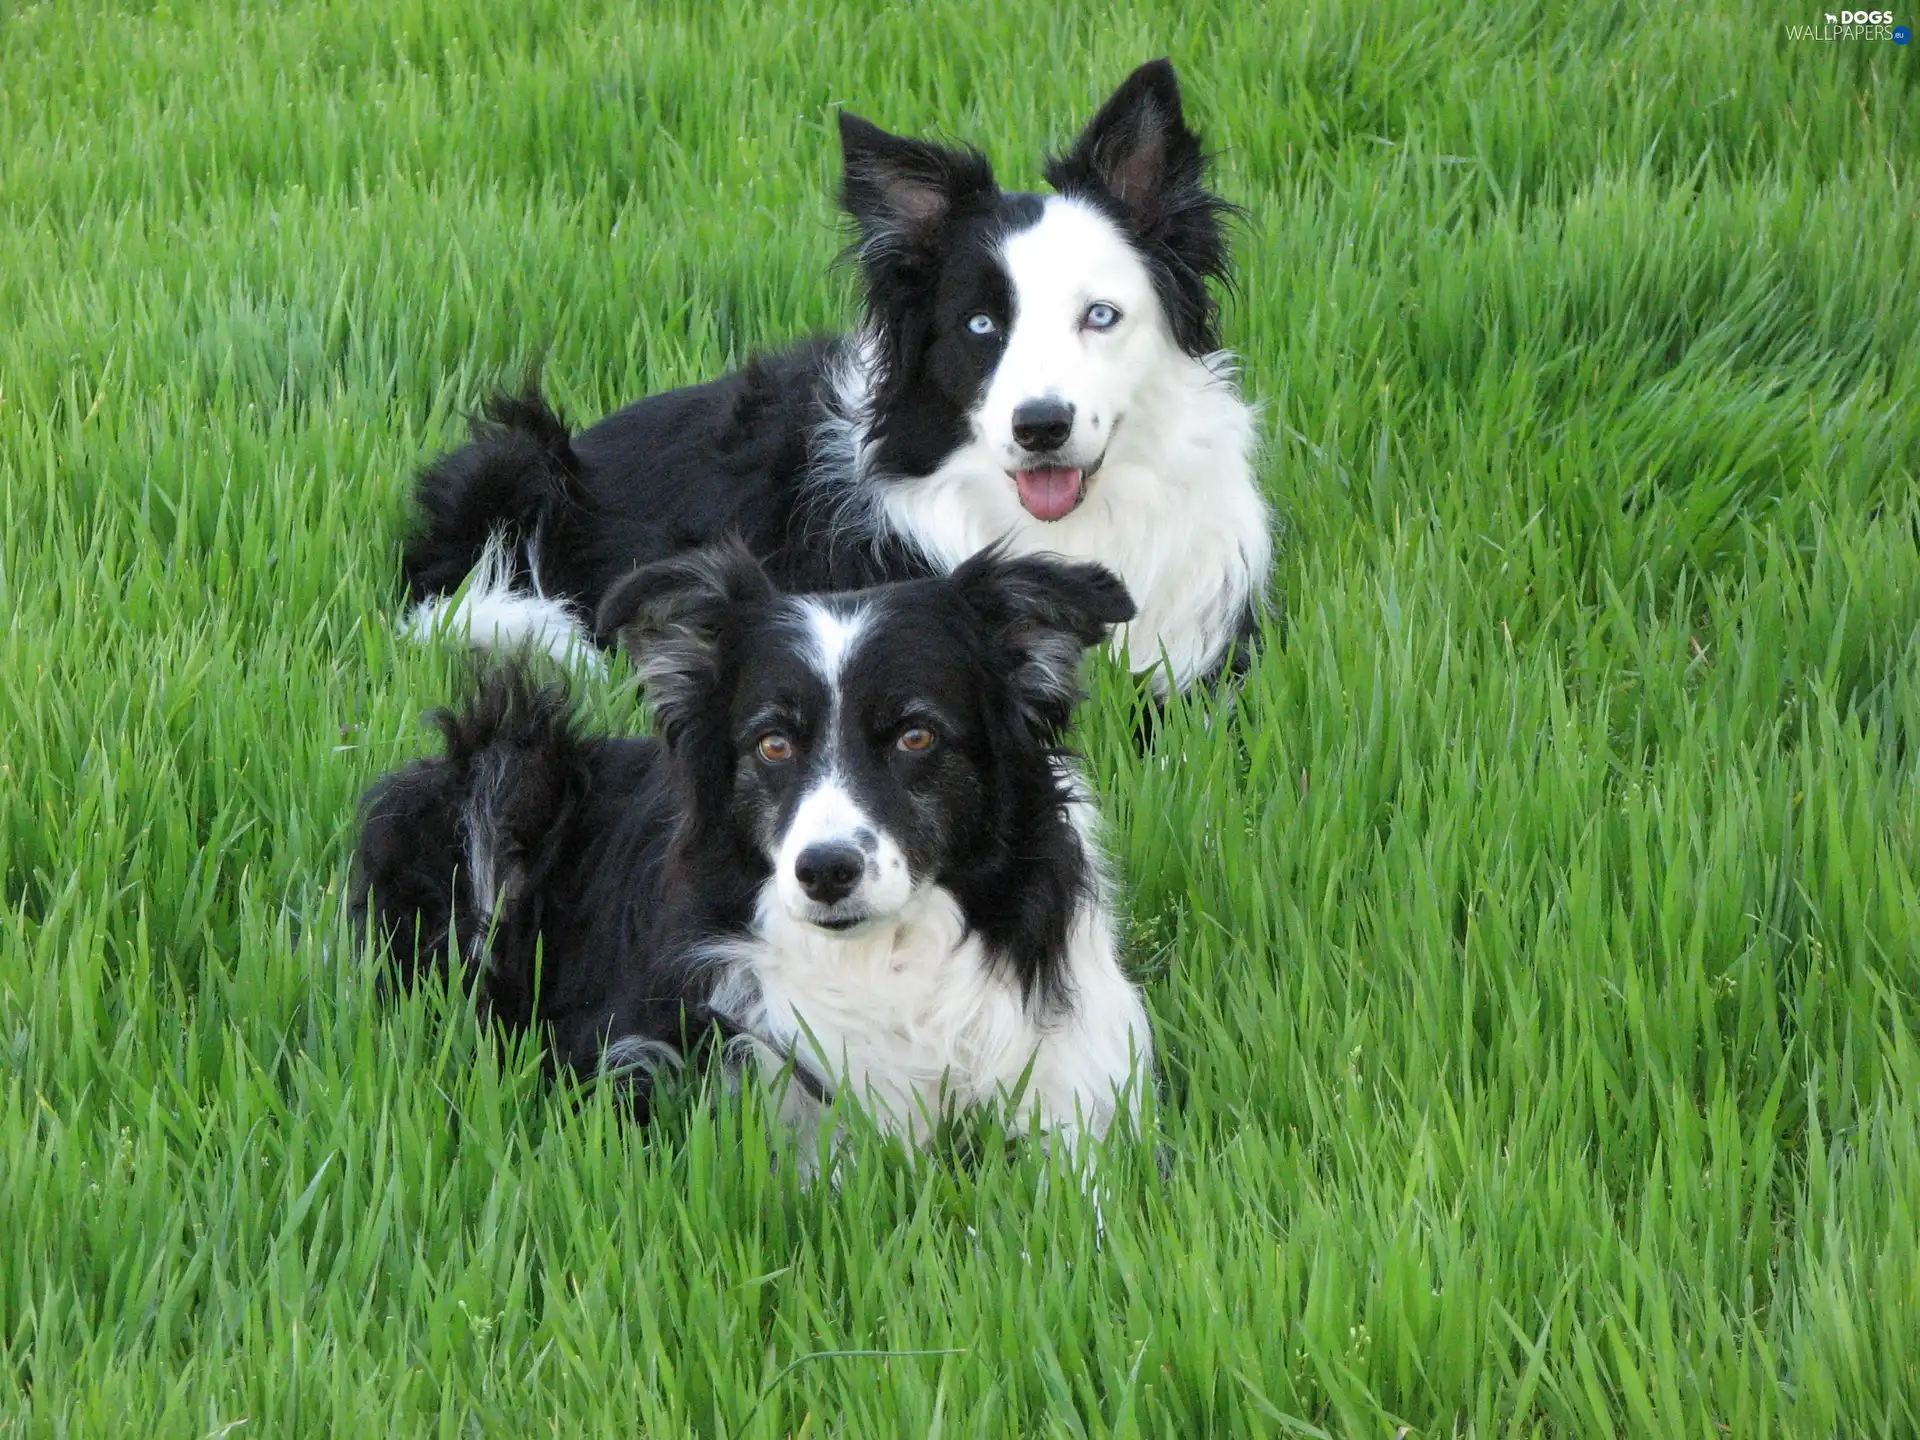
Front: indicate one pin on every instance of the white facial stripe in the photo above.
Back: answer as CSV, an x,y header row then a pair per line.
x,y
832,636
829,815
830,639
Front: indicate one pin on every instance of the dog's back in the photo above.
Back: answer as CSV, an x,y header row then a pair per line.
x,y
546,521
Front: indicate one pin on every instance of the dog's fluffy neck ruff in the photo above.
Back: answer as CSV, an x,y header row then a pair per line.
x,y
919,1019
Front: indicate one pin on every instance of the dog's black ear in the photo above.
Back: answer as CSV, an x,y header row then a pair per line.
x,y
673,616
1140,160
900,191
1044,613
1138,148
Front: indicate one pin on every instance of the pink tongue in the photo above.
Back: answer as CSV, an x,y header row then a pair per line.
x,y
1050,492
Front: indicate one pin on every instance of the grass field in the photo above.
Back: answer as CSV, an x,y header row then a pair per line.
x,y
1536,958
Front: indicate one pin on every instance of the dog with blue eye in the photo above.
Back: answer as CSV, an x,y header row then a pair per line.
x,y
856,850
1044,371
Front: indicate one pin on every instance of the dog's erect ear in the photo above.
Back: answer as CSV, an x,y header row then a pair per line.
x,y
1138,149
1138,159
900,191
672,617
1044,613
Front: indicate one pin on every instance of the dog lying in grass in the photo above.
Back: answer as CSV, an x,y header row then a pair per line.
x,y
1043,371
856,848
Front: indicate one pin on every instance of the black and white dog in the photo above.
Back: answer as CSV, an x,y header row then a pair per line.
x,y
857,845
1042,372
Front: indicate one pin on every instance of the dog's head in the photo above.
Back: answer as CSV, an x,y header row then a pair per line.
x,y
1027,325
859,748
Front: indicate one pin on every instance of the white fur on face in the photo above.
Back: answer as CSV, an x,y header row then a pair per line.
x,y
829,814
831,636
1072,259
1175,510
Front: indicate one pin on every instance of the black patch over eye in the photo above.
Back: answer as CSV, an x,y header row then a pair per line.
x,y
915,739
774,748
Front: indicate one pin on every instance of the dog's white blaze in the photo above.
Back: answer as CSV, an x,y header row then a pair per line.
x,y
832,635
913,1022
1175,509
826,815
490,614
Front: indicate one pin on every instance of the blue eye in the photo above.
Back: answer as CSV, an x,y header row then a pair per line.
x,y
981,324
1101,316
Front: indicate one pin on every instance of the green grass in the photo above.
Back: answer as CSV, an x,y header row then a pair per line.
x,y
1536,960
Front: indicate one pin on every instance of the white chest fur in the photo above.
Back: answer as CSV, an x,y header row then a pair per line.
x,y
913,1022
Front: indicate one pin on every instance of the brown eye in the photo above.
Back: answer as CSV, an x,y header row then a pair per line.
x,y
775,747
916,739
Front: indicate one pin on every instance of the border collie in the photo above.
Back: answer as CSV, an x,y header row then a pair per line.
x,y
857,847
1042,372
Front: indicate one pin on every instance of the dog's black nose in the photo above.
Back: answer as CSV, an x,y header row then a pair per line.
x,y
1042,424
829,871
